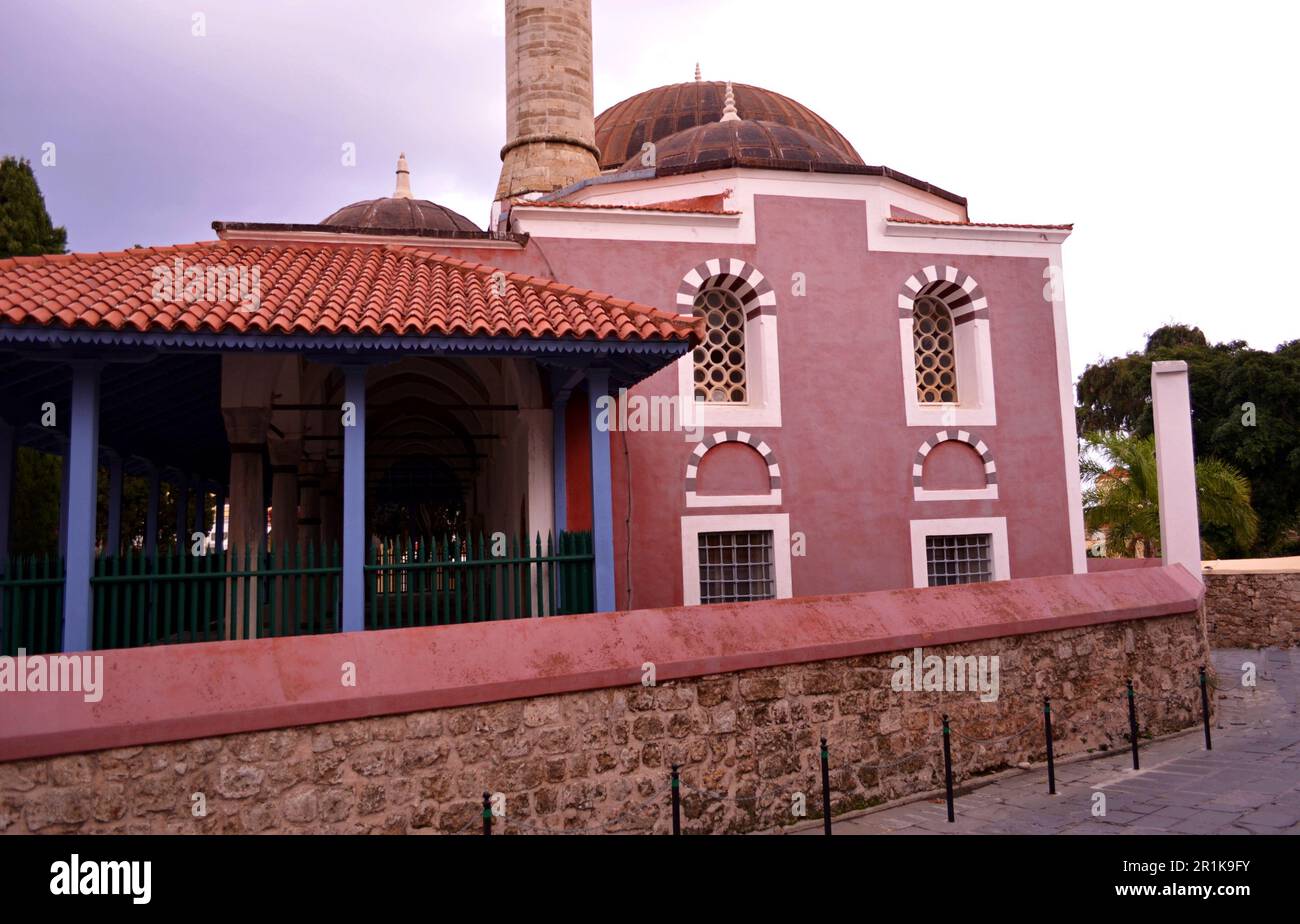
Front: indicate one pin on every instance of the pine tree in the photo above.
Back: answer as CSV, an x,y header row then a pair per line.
x,y
25,226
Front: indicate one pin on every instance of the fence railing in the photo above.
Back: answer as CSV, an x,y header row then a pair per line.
x,y
31,604
178,597
174,597
431,581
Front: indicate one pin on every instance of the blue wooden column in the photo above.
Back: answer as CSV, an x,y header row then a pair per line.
x,y
151,513
354,499
113,537
602,502
559,463
82,465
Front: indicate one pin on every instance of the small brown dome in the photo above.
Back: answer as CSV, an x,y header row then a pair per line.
x,y
742,140
400,214
655,114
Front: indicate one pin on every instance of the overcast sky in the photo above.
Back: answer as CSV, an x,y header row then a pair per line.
x,y
1165,131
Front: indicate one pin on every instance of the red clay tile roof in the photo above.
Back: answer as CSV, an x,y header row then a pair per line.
x,y
977,224
317,289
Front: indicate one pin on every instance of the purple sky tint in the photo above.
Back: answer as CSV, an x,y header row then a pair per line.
x,y
1158,129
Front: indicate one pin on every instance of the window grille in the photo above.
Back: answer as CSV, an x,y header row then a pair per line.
x,y
720,359
735,567
936,355
958,559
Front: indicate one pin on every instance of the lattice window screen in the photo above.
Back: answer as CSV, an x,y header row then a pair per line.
x,y
958,559
720,360
936,355
736,567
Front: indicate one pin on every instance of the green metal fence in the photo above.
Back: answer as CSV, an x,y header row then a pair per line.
x,y
31,604
427,581
178,597
173,597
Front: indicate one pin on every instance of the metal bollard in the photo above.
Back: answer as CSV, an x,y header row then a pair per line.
x,y
826,789
1132,723
677,801
1205,709
947,766
1051,763
487,813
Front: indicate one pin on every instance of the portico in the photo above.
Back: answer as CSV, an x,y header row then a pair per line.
x,y
335,455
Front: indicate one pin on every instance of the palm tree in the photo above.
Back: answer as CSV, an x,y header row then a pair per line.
x,y
1122,498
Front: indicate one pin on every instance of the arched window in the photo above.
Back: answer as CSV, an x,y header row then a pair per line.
x,y
720,360
946,349
935,349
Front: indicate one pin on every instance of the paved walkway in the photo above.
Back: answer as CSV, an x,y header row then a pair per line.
x,y
1249,783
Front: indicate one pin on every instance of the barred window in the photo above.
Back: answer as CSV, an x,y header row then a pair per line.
x,y
936,355
958,559
720,359
735,567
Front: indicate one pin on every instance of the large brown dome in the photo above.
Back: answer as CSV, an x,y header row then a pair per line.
x,y
655,114
395,213
741,141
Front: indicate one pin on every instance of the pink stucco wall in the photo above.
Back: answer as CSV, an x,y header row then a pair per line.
x,y
844,448
178,692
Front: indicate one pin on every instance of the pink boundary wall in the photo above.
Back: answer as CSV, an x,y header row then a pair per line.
x,y
179,692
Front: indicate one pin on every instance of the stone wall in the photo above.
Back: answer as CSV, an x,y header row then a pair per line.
x,y
599,760
1253,609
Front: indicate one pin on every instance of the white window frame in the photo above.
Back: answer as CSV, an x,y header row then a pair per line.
x,y
771,499
976,404
988,492
776,523
995,527
762,364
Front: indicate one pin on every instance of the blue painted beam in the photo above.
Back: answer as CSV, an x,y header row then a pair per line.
x,y
602,501
354,498
113,537
82,465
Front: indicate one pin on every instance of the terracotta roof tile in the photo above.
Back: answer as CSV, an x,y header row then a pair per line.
x,y
315,289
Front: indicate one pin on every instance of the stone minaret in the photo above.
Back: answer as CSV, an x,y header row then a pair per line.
x,y
550,121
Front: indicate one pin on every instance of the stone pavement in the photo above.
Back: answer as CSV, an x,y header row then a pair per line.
x,y
1249,783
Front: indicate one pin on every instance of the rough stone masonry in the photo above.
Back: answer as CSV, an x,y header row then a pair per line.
x,y
1253,609
599,761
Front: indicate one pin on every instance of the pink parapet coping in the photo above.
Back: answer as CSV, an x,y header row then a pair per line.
x,y
181,692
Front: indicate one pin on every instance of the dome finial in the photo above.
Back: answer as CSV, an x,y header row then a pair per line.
x,y
403,190
729,113
697,71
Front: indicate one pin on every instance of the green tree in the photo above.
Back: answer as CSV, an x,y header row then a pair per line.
x,y
1245,411
1122,498
25,226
